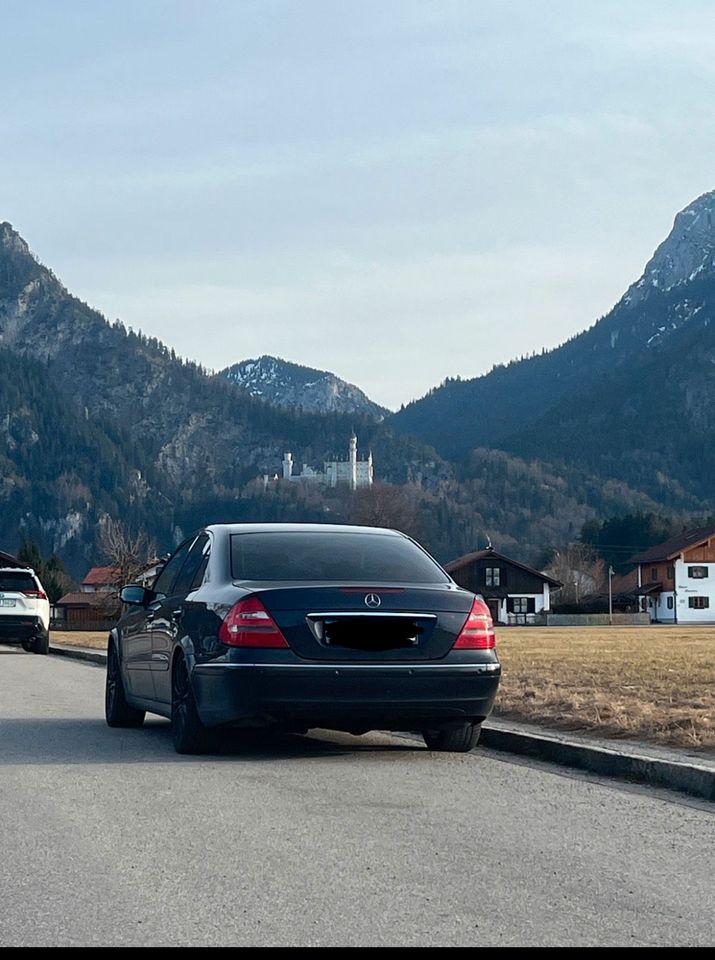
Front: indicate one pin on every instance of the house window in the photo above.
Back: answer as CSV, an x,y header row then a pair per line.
x,y
697,573
670,573
698,603
669,603
521,605
654,573
493,576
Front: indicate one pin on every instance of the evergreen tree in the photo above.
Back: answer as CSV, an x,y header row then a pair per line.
x,y
53,576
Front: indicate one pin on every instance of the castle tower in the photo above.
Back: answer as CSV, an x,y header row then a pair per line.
x,y
287,466
353,462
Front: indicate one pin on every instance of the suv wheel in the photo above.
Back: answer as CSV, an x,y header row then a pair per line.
x,y
118,712
454,740
42,644
187,730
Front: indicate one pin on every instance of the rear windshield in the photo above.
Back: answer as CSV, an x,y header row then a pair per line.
x,y
361,557
16,582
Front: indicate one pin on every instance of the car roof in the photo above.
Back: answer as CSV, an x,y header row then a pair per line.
x,y
301,528
17,570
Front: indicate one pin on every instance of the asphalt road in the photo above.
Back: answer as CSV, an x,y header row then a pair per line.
x,y
107,837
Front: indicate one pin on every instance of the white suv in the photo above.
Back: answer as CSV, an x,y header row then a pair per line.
x,y
24,610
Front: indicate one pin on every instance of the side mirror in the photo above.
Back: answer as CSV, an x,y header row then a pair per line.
x,y
136,596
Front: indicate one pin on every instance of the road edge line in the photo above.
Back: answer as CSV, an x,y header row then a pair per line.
x,y
74,653
687,778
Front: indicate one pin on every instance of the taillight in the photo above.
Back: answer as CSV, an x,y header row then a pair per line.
x,y
249,624
478,630
35,594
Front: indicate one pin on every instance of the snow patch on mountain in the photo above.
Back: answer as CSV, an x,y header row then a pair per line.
x,y
688,250
287,384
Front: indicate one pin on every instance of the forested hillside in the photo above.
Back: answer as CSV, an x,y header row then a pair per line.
x,y
630,399
61,468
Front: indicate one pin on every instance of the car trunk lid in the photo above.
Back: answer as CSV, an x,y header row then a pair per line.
x,y
371,622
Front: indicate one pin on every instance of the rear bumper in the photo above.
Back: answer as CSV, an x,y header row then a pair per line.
x,y
15,629
344,697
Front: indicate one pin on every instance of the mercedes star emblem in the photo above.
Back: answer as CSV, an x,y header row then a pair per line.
x,y
372,600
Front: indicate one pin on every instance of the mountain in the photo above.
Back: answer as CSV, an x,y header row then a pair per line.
x,y
61,470
97,420
292,385
687,251
121,397
196,426
631,398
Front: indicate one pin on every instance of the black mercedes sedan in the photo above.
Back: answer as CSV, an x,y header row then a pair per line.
x,y
294,626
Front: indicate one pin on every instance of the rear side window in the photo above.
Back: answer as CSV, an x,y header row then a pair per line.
x,y
167,578
17,582
192,572
354,557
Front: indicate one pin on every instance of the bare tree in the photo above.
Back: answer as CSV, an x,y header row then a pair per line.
x,y
581,571
127,551
385,505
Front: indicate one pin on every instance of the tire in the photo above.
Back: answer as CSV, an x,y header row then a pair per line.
x,y
27,645
456,740
117,711
187,731
42,645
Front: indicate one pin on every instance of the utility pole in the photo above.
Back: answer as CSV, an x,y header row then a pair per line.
x,y
611,573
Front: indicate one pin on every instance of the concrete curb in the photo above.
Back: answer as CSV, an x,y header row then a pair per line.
x,y
80,653
691,778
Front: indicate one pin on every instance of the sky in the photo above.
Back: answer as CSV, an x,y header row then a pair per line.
x,y
395,190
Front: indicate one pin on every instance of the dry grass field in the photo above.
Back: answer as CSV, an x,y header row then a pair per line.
x,y
80,638
650,683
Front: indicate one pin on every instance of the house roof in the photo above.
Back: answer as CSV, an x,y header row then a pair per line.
x,y
648,588
671,548
491,554
102,577
78,599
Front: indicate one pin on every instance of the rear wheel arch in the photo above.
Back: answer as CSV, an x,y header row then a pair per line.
x,y
113,641
118,709
176,656
184,648
187,729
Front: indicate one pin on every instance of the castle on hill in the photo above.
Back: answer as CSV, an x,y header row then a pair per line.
x,y
350,472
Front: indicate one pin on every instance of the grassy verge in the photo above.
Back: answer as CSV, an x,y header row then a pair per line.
x,y
649,683
79,638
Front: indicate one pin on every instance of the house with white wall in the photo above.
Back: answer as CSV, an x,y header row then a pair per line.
x,y
514,592
676,579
